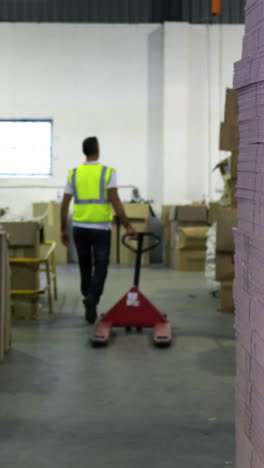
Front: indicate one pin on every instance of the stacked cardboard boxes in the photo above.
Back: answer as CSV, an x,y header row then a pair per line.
x,y
165,219
225,268
49,214
188,233
5,302
139,216
249,257
24,242
229,141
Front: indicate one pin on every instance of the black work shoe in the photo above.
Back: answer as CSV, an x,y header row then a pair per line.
x,y
90,309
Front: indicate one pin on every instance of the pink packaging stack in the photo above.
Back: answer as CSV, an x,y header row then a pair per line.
x,y
249,240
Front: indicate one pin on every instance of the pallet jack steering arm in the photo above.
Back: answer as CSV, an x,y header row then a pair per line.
x,y
140,250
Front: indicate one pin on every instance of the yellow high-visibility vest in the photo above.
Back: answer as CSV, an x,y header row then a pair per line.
x,y
89,184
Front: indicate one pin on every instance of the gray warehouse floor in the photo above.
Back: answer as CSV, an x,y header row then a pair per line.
x,y
64,404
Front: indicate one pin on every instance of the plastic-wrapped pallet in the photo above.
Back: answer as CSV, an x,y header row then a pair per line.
x,y
210,264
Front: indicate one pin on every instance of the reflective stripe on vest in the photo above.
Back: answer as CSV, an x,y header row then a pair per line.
x,y
101,201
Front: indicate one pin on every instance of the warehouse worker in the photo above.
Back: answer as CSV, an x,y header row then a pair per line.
x,y
94,189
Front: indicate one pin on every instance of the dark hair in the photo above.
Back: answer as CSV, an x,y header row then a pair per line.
x,y
91,146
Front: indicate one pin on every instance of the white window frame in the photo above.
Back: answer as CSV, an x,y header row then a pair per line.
x,y
28,175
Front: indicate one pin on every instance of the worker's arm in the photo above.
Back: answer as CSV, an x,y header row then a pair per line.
x,y
64,218
120,212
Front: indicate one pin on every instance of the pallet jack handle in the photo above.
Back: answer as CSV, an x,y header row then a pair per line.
x,y
140,250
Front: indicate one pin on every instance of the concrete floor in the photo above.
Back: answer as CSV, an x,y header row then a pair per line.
x,y
64,404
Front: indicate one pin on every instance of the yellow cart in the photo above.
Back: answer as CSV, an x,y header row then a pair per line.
x,y
48,265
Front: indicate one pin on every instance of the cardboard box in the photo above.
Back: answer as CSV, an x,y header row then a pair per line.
x,y
23,238
229,137
233,190
225,267
231,106
127,257
137,211
227,220
234,164
165,213
173,234
192,238
24,242
50,217
138,214
187,260
213,212
166,225
226,296
196,214
5,303
166,233
25,308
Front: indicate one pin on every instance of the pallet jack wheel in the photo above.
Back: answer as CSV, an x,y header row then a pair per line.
x,y
128,329
139,329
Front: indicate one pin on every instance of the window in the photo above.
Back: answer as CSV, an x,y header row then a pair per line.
x,y
25,148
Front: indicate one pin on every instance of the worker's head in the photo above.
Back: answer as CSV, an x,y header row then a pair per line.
x,y
91,148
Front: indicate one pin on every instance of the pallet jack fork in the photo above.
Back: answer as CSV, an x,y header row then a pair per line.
x,y
134,310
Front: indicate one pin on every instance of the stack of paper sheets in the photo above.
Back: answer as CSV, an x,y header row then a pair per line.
x,y
249,242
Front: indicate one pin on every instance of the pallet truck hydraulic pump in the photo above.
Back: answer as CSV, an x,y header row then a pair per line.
x,y
134,310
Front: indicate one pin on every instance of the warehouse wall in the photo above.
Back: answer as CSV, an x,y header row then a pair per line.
x,y
198,67
155,152
90,80
144,93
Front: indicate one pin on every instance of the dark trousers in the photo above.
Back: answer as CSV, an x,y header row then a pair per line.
x,y
93,248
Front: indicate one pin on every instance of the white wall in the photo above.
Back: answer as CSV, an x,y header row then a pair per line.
x,y
198,67
91,79
155,151
101,79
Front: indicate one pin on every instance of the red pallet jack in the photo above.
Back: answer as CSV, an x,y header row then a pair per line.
x,y
134,310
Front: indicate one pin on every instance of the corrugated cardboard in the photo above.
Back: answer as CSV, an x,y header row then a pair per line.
x,y
25,236
226,295
173,234
127,257
213,212
187,260
225,268
5,308
52,228
24,276
234,164
166,209
138,215
231,106
25,308
136,211
192,238
227,220
194,214
165,213
233,190
24,239
229,137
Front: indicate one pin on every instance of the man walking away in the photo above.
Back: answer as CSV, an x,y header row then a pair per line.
x,y
93,187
